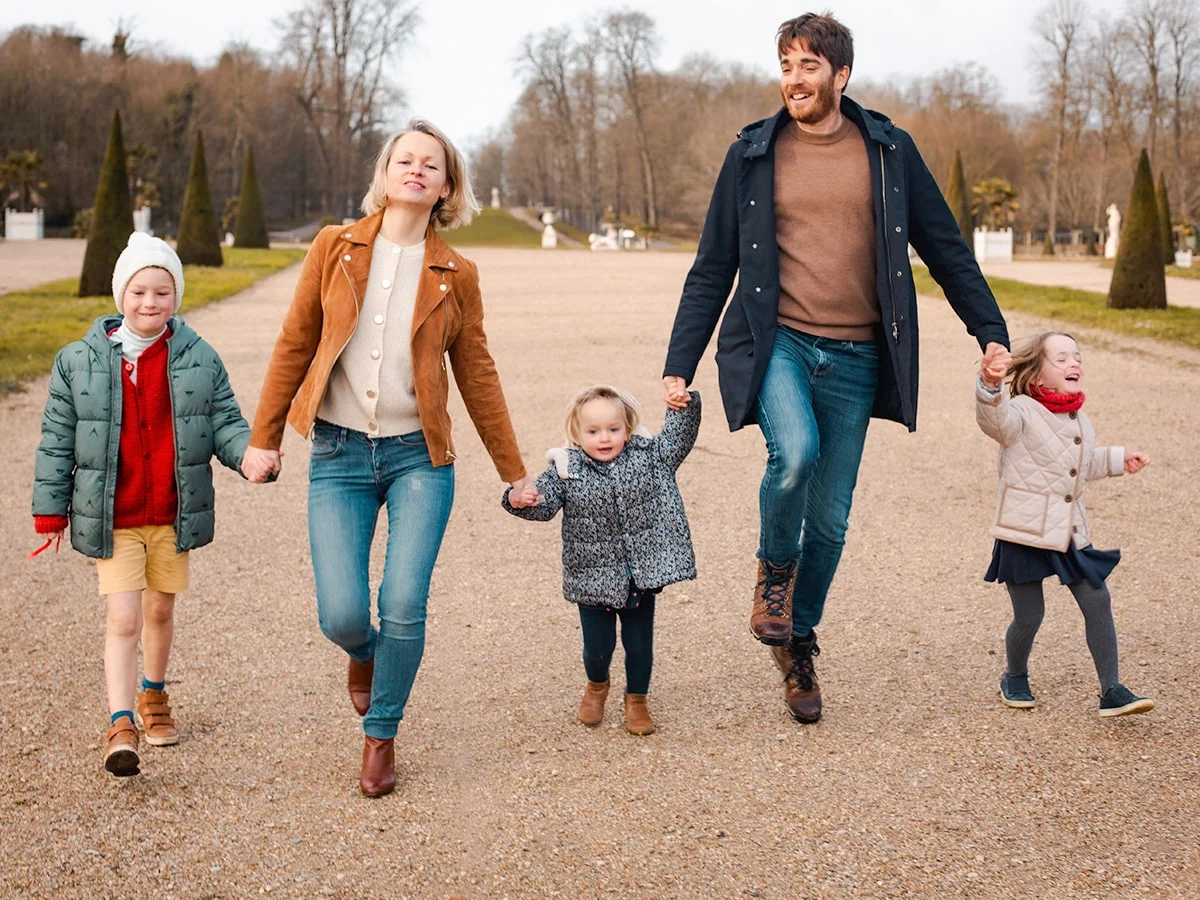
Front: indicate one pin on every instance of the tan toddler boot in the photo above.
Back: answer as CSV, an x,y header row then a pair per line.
x,y
637,715
591,707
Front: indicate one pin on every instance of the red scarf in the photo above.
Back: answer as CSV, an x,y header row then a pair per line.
x,y
1054,401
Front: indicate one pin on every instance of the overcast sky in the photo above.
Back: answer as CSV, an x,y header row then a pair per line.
x,y
459,71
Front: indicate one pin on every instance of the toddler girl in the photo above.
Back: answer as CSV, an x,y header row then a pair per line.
x,y
1048,454
624,533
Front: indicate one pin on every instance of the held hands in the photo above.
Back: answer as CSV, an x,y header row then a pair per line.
x,y
1135,462
524,493
675,392
994,367
258,465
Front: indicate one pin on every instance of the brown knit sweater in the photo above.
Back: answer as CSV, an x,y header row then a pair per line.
x,y
825,226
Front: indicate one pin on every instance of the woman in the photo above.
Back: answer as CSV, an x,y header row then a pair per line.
x,y
360,367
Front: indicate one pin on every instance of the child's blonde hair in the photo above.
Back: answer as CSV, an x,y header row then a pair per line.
x,y
600,392
1027,360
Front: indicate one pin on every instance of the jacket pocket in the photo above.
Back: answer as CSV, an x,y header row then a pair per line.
x,y
1022,510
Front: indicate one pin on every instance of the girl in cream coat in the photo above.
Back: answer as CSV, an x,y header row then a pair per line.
x,y
1047,455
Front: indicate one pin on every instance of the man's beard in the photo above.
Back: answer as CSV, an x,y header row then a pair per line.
x,y
822,104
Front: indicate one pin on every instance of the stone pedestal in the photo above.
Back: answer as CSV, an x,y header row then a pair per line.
x,y
19,226
993,246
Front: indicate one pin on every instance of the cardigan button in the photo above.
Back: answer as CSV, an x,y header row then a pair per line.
x,y
1068,498
1073,415
1078,439
1074,472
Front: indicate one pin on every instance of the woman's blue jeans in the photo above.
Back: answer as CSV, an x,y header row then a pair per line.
x,y
350,477
813,408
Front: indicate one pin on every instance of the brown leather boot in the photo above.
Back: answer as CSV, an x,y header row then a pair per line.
x,y
591,707
154,711
771,614
637,715
801,690
378,767
121,748
358,679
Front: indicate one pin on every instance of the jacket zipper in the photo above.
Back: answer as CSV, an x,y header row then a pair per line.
x,y
175,441
887,247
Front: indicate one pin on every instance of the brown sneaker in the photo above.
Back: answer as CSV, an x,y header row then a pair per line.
x,y
121,748
154,713
591,707
801,690
771,615
637,715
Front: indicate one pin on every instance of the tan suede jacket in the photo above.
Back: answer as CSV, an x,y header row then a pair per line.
x,y
447,320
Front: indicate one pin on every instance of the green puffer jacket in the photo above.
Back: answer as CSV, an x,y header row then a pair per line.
x,y
75,472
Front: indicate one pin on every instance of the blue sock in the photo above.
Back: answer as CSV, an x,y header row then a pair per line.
x,y
119,713
152,685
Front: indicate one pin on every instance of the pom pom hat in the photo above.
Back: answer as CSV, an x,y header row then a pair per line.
x,y
141,252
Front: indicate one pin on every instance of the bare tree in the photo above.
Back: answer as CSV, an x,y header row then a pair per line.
x,y
1182,22
339,52
1058,26
1146,29
630,41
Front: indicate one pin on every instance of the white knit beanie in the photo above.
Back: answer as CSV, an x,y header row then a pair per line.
x,y
143,251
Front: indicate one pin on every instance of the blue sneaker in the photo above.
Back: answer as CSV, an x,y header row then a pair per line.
x,y
1119,700
1015,692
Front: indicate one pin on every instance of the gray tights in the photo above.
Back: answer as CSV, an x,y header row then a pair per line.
x,y
1029,607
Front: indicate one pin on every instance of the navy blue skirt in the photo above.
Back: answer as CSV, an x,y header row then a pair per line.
x,y
1015,563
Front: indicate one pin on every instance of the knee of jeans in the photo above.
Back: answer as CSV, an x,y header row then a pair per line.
x,y
791,467
344,625
405,624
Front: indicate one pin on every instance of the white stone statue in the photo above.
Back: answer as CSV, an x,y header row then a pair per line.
x,y
495,198
1114,232
608,240
549,235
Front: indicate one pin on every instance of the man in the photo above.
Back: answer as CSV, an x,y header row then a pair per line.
x,y
813,212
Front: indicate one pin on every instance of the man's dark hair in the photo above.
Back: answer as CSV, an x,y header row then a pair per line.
x,y
820,34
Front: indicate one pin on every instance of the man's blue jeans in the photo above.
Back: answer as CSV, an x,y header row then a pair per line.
x,y
813,408
350,477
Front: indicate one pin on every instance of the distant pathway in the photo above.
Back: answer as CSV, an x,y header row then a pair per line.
x,y
26,263
1085,276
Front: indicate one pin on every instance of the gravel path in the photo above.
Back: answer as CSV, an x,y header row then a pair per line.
x,y
24,264
916,782
1085,275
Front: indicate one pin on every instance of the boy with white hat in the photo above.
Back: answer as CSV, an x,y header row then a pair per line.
x,y
137,409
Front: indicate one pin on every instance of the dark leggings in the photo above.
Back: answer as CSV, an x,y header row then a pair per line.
x,y
637,637
1029,607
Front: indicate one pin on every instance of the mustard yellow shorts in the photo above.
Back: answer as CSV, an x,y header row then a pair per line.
x,y
144,558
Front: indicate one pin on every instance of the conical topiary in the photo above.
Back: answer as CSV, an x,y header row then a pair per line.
x,y
251,228
1139,280
960,205
1163,202
199,240
112,219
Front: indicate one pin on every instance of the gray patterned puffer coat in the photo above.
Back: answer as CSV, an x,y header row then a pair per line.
x,y
623,520
75,471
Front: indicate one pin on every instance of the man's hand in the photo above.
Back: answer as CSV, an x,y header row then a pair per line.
x,y
994,367
675,392
1135,462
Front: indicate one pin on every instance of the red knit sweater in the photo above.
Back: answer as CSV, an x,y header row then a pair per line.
x,y
146,490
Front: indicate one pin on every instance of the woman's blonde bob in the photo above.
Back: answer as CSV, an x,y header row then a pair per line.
x,y
600,392
456,208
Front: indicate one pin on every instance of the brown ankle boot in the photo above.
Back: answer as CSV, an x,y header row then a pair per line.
x,y
378,767
591,707
771,614
358,679
121,748
637,715
801,690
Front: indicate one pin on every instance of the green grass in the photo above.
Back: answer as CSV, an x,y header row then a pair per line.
x,y
39,321
494,228
1178,324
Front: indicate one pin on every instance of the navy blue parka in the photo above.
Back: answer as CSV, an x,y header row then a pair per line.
x,y
739,241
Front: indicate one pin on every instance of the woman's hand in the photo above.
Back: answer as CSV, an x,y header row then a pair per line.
x,y
675,392
523,493
258,465
1135,462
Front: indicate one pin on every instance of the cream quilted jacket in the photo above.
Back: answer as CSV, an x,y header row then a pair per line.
x,y
1045,460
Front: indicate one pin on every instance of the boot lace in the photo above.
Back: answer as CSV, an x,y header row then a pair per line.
x,y
774,584
801,668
